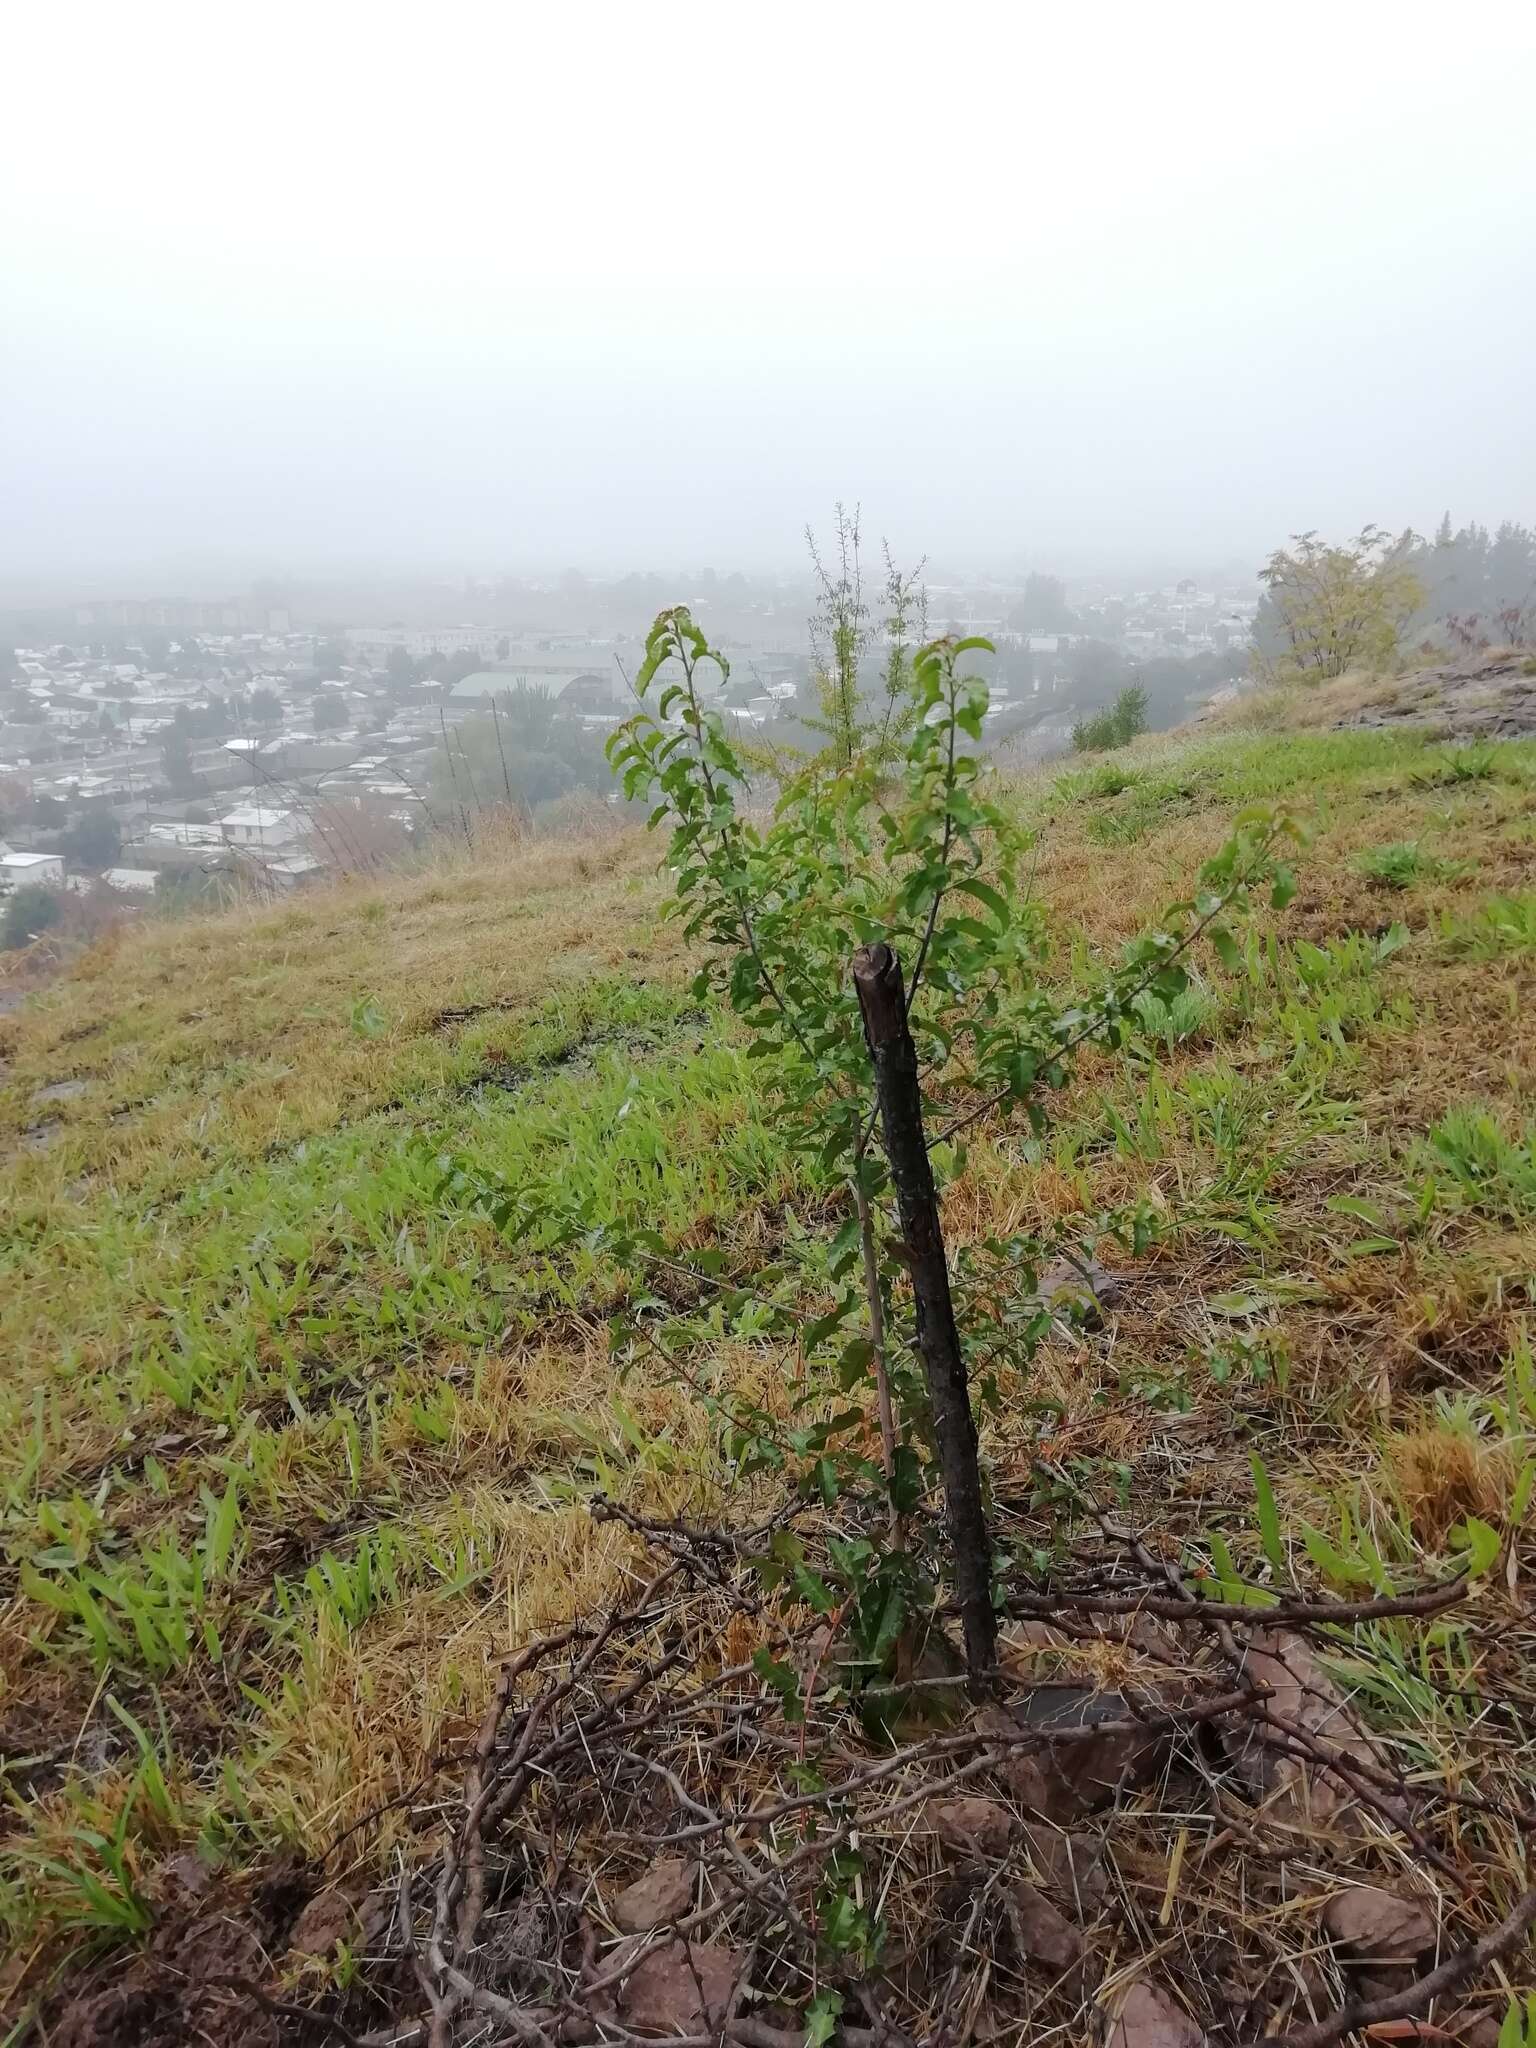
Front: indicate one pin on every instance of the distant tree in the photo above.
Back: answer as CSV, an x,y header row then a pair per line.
x,y
458,666
1042,607
49,810
1095,665
176,760
359,831
29,912
329,712
157,649
191,650
265,707
855,713
94,841
1015,665
527,712
105,722
331,657
403,673
1327,609
1124,719
503,648
15,800
537,778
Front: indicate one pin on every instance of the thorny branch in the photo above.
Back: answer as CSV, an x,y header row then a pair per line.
x,y
636,1735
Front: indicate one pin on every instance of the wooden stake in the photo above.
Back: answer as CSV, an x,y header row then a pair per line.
x,y
882,999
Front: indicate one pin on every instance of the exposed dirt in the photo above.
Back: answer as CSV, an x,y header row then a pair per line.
x,y
1481,697
179,1989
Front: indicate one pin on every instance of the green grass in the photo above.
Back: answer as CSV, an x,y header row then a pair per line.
x,y
293,1443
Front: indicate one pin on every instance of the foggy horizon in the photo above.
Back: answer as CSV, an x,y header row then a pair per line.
x,y
638,293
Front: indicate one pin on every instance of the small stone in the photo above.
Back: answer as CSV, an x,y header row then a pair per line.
x,y
1148,2019
1475,2029
1072,1865
58,1091
971,1826
682,1988
1042,1933
190,1874
1080,1293
662,1895
328,1918
1305,1696
1090,1770
1379,1930
1018,1770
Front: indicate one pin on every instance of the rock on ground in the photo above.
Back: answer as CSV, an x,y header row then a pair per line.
x,y
682,1988
1484,697
1149,2019
663,1894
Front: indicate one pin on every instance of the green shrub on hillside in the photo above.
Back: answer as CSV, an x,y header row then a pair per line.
x,y
1124,719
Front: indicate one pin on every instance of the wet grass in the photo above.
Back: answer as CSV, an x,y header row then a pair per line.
x,y
292,1446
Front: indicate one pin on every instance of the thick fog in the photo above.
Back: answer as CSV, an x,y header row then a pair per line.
x,y
496,287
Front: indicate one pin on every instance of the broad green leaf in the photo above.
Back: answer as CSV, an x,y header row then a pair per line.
x,y
1269,1515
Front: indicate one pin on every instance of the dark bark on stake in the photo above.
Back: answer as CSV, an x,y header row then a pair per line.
x,y
882,999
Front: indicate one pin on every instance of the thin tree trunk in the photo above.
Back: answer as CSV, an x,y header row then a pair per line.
x,y
882,999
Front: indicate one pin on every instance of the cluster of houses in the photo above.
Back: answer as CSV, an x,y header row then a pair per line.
x,y
162,744
141,760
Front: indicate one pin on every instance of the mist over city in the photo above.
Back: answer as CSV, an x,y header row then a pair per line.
x,y
1138,297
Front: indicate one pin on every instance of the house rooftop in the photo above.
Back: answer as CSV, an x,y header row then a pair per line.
x,y
264,817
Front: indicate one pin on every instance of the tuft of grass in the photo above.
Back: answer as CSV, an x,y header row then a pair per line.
x,y
1501,924
1459,765
1495,1172
1405,863
1442,1473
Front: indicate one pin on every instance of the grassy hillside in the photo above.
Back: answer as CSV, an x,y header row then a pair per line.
x,y
292,1449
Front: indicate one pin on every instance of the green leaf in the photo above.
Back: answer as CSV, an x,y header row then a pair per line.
x,y
1331,1562
1481,1543
1227,949
779,1678
996,902
1226,1571
1352,1205
1237,1303
825,2009
1269,1514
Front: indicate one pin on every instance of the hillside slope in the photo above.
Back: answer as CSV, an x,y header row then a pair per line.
x,y
294,1448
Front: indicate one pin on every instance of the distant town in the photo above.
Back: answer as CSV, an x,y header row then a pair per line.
x,y
167,752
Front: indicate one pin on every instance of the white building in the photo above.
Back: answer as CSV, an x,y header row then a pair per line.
x,y
263,828
31,871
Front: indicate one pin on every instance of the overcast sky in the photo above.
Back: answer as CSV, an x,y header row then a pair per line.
x,y
288,287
